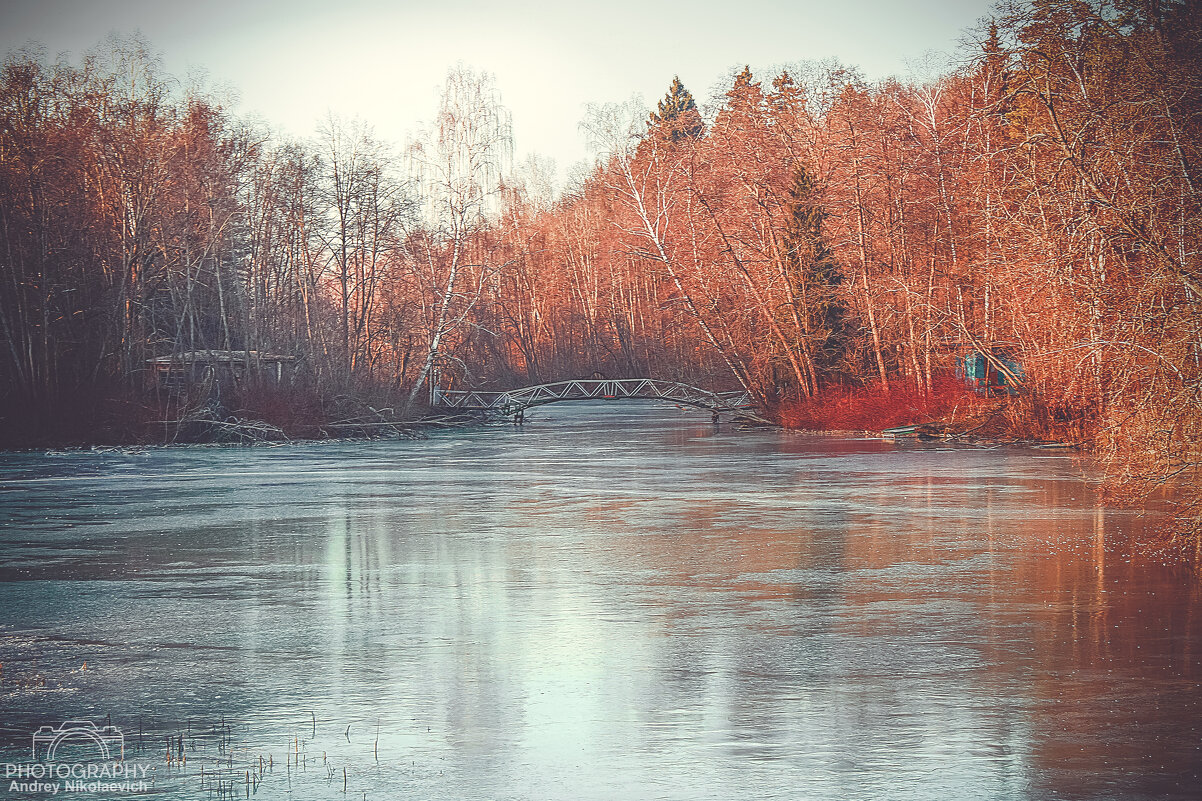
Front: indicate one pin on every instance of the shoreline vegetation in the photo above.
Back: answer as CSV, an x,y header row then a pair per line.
x,y
835,247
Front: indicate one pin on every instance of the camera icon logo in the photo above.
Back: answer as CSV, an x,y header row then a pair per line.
x,y
108,741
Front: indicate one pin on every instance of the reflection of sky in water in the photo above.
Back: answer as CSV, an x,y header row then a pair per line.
x,y
607,603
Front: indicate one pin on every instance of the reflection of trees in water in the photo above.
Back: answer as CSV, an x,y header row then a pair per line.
x,y
430,593
1114,634
977,630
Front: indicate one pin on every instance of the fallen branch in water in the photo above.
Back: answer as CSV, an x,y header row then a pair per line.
x,y
371,428
197,428
204,425
451,421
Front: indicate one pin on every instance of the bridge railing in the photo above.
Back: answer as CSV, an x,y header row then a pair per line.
x,y
515,400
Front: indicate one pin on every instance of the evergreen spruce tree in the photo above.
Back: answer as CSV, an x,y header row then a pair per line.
x,y
746,114
744,98
677,117
743,81
786,97
815,275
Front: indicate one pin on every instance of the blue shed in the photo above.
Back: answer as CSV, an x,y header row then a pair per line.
x,y
982,373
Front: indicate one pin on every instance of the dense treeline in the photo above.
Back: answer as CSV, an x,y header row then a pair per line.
x,y
808,232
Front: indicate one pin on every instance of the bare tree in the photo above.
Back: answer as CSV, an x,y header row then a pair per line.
x,y
365,211
458,165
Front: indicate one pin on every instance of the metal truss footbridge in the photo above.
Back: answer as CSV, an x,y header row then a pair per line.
x,y
516,401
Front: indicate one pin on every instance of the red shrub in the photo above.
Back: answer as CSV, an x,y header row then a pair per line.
x,y
871,408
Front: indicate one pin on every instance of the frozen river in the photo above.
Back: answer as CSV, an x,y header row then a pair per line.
x,y
612,602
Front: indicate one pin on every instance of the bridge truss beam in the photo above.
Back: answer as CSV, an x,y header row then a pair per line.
x,y
518,400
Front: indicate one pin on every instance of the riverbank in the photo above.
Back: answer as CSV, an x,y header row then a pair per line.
x,y
948,409
244,414
1131,474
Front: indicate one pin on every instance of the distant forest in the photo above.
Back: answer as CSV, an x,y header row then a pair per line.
x,y
804,233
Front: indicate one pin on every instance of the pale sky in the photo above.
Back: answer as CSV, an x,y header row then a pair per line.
x,y
385,62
